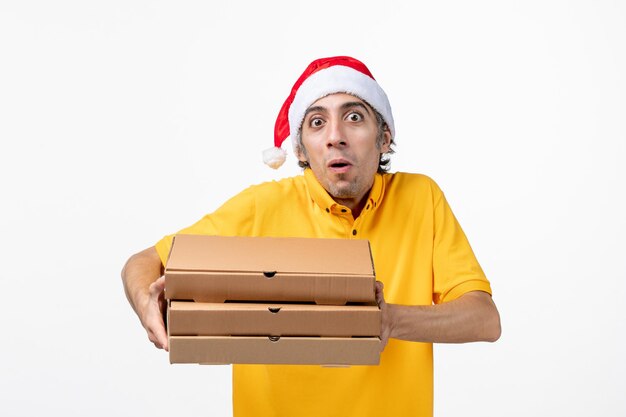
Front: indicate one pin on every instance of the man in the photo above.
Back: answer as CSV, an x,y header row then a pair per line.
x,y
342,129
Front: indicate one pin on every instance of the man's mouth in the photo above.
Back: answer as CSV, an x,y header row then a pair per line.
x,y
339,165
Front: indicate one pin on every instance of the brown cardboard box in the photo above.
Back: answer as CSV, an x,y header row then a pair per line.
x,y
218,269
239,319
283,350
286,271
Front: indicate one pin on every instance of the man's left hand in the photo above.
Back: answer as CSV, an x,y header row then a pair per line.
x,y
386,318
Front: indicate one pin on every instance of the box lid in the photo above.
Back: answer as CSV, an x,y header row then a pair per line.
x,y
267,254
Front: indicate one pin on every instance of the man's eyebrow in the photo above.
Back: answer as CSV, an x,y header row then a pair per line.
x,y
314,109
351,104
344,107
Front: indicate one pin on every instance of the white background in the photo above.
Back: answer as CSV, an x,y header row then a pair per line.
x,y
122,121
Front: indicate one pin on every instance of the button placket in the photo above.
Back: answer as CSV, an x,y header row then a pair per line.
x,y
357,227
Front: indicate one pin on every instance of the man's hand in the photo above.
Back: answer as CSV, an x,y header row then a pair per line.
x,y
144,286
151,314
386,319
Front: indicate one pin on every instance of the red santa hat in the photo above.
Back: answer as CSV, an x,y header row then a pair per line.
x,y
325,76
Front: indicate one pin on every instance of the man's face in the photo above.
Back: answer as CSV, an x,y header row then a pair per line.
x,y
339,138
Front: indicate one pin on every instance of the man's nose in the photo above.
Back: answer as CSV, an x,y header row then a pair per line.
x,y
336,135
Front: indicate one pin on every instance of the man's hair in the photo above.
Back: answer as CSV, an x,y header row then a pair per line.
x,y
383,162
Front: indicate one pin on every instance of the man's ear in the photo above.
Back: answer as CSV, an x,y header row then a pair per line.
x,y
386,145
300,153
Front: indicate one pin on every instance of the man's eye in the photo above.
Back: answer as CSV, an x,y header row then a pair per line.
x,y
316,122
355,117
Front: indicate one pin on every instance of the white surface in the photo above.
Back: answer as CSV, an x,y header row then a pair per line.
x,y
123,121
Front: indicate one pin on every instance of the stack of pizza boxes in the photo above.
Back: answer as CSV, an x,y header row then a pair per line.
x,y
258,300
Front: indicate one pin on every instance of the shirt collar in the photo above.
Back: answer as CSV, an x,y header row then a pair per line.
x,y
320,196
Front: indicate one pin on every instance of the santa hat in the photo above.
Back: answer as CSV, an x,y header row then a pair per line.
x,y
325,76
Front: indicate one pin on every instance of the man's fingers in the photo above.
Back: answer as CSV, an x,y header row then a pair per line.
x,y
156,330
380,298
154,317
158,336
157,287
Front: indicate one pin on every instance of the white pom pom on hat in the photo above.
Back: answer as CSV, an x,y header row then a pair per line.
x,y
325,76
274,157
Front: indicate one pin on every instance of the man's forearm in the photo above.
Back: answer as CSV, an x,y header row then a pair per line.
x,y
141,270
472,317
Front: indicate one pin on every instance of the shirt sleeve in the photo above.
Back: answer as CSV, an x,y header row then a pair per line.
x,y
233,218
455,267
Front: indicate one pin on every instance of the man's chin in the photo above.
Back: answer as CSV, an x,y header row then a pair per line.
x,y
342,189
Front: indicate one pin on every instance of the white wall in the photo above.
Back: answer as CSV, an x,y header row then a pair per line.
x,y
122,121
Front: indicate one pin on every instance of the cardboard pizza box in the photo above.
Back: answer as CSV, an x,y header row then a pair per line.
x,y
218,269
239,319
329,351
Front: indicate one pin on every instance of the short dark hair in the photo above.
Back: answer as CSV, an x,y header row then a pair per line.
x,y
383,162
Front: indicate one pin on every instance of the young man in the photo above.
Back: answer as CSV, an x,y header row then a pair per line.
x,y
434,289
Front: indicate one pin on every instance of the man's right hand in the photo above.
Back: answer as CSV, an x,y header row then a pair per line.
x,y
151,314
144,286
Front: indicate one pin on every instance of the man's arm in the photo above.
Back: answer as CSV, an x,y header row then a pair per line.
x,y
473,317
144,285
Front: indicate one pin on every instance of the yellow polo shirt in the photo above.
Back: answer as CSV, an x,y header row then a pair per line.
x,y
420,254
